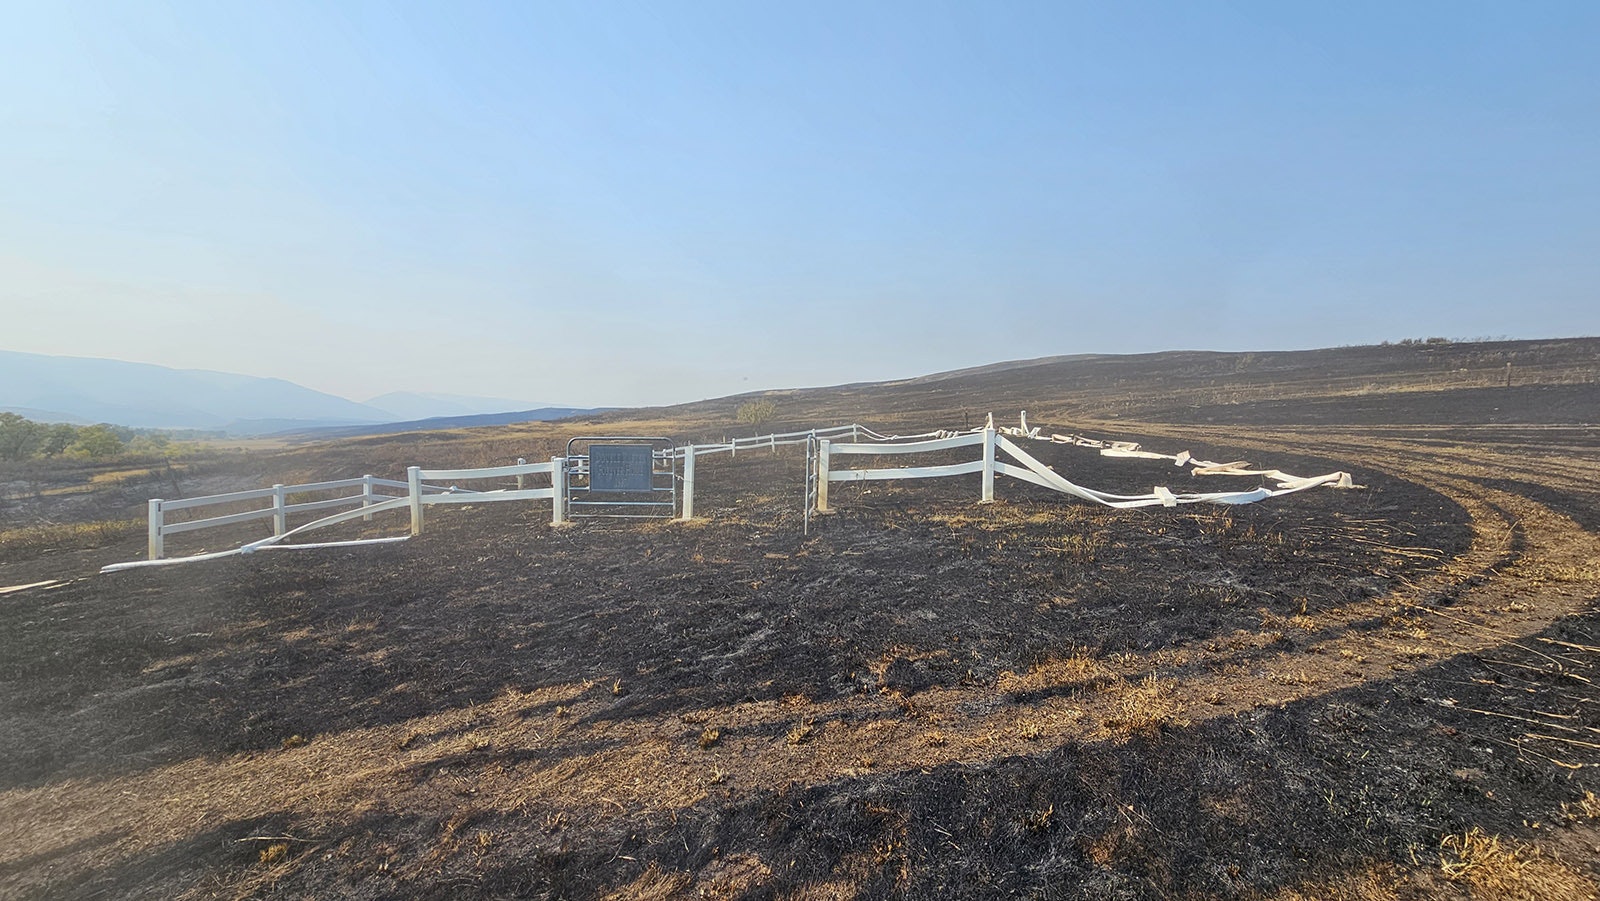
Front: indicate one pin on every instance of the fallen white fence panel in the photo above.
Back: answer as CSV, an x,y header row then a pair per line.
x,y
1027,468
1043,475
328,544
391,504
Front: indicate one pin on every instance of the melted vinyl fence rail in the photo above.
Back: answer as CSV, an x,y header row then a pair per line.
x,y
421,490
1028,468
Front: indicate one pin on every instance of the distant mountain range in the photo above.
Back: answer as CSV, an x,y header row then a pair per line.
x,y
411,405
84,389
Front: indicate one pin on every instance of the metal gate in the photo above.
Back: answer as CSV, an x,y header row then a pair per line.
x,y
622,477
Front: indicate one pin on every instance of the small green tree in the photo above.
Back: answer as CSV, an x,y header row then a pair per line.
x,y
19,437
756,412
151,444
96,442
58,438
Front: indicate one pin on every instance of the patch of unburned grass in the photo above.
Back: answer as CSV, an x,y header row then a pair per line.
x,y
1564,572
68,536
1585,808
1142,707
1505,868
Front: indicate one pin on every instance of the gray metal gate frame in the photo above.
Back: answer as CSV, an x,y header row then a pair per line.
x,y
659,502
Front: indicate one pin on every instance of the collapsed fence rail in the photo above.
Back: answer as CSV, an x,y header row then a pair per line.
x,y
1027,468
278,511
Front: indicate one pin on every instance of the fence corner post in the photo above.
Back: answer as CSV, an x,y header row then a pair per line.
x,y
988,465
366,496
280,516
558,490
414,484
688,482
156,523
822,476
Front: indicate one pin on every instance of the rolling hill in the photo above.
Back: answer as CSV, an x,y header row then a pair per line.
x,y
84,389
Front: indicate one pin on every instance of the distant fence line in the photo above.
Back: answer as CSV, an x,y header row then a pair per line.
x,y
421,490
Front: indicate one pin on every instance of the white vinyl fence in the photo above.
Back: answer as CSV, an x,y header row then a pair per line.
x,y
422,492
418,497
1027,468
278,510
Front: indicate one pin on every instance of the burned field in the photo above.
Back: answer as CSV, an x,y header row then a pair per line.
x,y
1379,693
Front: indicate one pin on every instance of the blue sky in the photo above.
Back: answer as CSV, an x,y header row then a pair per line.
x,y
607,203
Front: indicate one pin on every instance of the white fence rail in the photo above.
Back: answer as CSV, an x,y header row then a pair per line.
x,y
417,477
760,442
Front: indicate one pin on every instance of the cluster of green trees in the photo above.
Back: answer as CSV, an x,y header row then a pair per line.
x,y
23,439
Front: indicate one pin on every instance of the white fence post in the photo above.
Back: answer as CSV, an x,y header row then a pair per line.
x,y
366,496
822,476
855,433
522,480
155,529
688,482
988,464
414,482
280,516
558,484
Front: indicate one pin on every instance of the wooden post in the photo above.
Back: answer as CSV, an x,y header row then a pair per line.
x,y
688,482
280,516
155,529
855,433
558,484
366,496
522,480
822,476
414,483
988,464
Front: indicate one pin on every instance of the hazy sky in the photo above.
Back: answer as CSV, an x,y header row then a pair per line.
x,y
607,203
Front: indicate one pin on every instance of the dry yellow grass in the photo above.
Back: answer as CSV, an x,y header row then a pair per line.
x,y
1499,868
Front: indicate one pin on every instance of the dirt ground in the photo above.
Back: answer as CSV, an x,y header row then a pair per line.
x,y
1386,692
